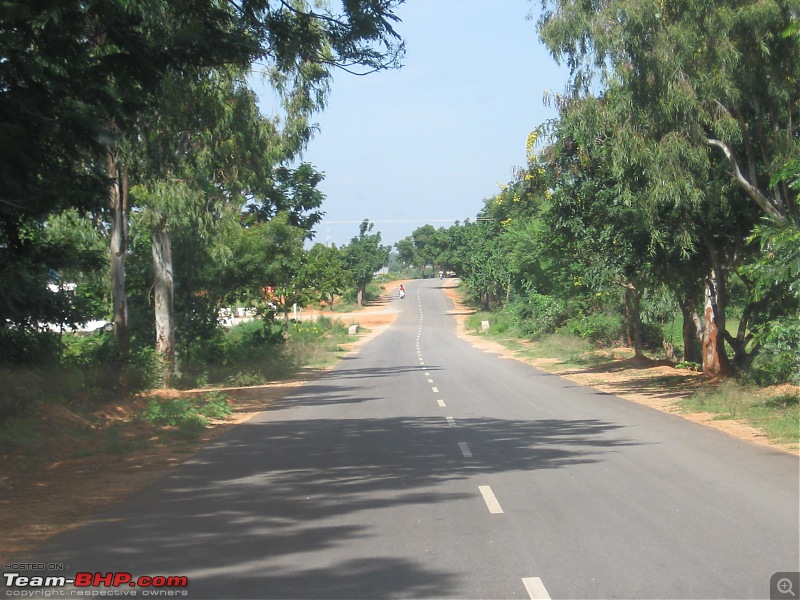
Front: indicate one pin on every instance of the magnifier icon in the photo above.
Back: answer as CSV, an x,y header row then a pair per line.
x,y
784,586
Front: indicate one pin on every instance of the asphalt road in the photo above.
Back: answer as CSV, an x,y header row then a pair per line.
x,y
422,467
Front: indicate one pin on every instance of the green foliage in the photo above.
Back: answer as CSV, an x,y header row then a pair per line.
x,y
536,314
154,94
188,415
600,328
779,359
323,271
568,349
372,291
363,256
22,386
94,359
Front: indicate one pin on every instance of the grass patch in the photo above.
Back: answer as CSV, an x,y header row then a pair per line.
x,y
777,415
501,325
569,351
188,416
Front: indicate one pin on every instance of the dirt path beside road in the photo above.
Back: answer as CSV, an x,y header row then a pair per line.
x,y
39,498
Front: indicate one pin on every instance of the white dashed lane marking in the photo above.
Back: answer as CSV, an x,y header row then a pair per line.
x,y
535,588
490,499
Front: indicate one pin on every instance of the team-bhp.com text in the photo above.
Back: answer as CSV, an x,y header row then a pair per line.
x,y
95,584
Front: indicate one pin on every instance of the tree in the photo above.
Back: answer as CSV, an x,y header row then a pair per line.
x,y
697,86
79,77
324,271
722,71
364,256
407,253
424,239
223,156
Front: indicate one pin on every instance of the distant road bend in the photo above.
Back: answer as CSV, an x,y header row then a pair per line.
x,y
421,467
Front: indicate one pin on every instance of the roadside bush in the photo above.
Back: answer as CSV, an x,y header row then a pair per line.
x,y
188,415
652,336
779,359
94,356
536,314
145,370
599,328
251,341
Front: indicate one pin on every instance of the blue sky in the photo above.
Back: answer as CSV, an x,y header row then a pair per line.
x,y
429,142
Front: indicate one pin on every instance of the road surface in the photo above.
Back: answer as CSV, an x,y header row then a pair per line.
x,y
422,467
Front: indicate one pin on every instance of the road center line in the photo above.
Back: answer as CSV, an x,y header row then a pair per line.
x,y
490,499
435,390
451,421
441,403
430,380
536,589
467,452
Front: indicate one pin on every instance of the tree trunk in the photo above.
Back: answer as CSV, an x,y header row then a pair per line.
x,y
633,317
164,307
691,351
362,291
628,319
118,205
636,320
715,360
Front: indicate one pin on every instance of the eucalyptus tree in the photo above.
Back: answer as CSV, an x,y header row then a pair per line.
x,y
709,108
78,76
201,154
724,71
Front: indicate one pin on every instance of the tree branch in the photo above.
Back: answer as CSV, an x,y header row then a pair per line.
x,y
751,190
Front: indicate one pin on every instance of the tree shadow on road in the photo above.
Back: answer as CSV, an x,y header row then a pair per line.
x,y
240,518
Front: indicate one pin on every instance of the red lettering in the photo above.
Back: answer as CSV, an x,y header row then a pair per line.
x,y
106,579
120,578
83,579
178,581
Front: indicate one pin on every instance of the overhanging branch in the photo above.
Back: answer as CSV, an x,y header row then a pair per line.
x,y
749,188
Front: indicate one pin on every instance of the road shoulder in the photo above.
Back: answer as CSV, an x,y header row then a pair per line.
x,y
641,382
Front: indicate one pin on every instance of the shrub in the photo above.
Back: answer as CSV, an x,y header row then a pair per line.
x,y
536,314
779,359
94,356
652,336
189,415
599,328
